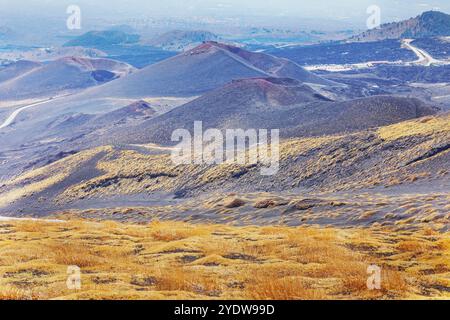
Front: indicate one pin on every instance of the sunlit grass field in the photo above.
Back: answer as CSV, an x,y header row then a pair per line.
x,y
171,260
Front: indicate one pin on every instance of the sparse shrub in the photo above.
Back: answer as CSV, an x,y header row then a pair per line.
x,y
12,293
172,260
182,279
169,235
267,287
411,246
234,203
368,214
265,203
29,226
72,254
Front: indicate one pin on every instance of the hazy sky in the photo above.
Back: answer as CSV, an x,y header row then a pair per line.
x,y
352,11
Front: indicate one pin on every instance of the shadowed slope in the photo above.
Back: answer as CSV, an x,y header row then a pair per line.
x,y
413,154
274,103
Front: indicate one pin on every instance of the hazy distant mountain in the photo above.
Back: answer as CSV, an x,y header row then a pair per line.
x,y
123,28
428,24
180,40
25,79
50,53
97,39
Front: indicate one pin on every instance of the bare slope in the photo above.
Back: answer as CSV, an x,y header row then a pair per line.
x,y
188,74
274,103
413,155
204,68
17,69
276,67
27,80
193,73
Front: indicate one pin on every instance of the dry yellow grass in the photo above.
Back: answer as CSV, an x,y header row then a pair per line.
x,y
171,260
37,180
336,159
424,126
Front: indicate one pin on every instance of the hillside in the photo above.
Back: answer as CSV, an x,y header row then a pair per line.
x,y
247,103
338,204
49,54
64,125
428,24
224,151
413,155
274,66
189,74
134,110
272,103
28,79
344,52
17,69
199,70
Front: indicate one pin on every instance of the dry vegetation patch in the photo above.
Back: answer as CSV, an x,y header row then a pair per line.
x,y
423,126
172,260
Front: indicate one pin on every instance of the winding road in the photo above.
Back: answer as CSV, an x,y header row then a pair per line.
x,y
10,120
424,57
